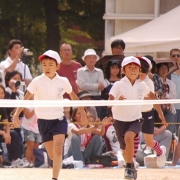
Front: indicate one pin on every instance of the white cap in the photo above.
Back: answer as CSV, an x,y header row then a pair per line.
x,y
148,61
90,52
52,54
130,59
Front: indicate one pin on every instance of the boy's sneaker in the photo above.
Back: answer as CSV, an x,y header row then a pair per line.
x,y
161,160
136,164
20,163
130,173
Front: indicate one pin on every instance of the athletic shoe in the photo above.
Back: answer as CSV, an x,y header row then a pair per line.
x,y
31,165
130,173
136,164
20,163
161,160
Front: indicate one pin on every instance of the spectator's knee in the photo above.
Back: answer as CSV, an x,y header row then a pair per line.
x,y
76,139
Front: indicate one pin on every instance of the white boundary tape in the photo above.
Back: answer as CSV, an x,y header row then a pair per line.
x,y
81,103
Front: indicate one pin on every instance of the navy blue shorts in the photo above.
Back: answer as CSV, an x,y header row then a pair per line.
x,y
49,128
148,122
122,127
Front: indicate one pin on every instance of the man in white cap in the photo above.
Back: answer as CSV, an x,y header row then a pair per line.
x,y
91,79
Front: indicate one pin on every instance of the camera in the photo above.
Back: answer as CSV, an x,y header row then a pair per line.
x,y
18,83
26,56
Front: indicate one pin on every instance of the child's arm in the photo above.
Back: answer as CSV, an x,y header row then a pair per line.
x,y
16,121
158,108
73,96
27,113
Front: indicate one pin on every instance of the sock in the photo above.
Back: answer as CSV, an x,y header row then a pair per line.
x,y
129,165
157,148
54,179
136,145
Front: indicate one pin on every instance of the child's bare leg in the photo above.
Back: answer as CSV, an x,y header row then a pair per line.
x,y
149,139
55,149
129,150
36,145
29,150
57,153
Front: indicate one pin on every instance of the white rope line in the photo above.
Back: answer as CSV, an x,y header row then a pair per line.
x,y
81,103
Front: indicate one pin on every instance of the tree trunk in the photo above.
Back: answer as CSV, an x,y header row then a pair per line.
x,y
52,24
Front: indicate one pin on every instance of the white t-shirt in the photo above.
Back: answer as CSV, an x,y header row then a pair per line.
x,y
68,139
31,123
45,88
111,135
20,67
137,91
150,84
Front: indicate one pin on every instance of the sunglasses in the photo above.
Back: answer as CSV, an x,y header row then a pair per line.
x,y
175,55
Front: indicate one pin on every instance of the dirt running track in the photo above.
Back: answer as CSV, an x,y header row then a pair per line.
x,y
88,174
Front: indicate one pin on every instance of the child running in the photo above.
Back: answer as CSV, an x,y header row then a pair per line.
x,y
52,123
128,119
148,115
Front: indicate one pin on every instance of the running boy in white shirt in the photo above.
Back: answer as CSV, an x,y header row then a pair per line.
x,y
128,118
51,120
148,115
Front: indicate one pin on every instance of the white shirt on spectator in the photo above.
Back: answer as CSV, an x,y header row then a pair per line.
x,y
20,67
113,141
45,88
137,91
68,139
89,80
31,123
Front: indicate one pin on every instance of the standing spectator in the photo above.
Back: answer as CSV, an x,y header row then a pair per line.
x,y
91,79
158,87
13,61
68,67
118,47
169,93
175,77
112,74
32,137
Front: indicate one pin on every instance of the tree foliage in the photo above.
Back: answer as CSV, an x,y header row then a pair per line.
x,y
44,24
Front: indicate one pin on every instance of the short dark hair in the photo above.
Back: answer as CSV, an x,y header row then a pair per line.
x,y
13,42
162,64
111,63
153,70
175,49
118,42
9,75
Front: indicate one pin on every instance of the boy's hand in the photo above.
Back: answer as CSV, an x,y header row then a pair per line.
x,y
16,122
122,97
161,116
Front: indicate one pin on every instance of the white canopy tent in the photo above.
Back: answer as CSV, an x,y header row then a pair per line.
x,y
158,35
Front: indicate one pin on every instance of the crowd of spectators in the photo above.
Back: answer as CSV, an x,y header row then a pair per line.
x,y
91,133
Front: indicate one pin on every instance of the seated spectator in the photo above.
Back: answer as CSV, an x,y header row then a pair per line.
x,y
13,142
85,95
84,141
169,93
4,128
32,137
91,79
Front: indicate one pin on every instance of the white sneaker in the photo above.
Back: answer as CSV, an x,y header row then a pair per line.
x,y
136,164
20,163
161,160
